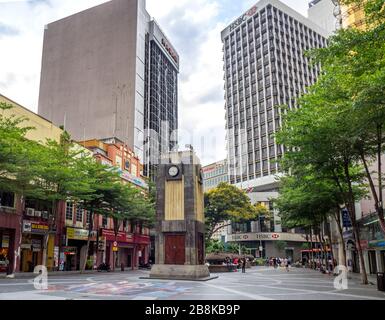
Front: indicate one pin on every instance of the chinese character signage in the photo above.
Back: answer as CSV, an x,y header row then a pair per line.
x,y
346,219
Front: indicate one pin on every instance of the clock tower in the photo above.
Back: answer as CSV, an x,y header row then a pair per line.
x,y
180,226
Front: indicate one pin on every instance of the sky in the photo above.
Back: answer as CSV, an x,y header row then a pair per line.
x,y
193,27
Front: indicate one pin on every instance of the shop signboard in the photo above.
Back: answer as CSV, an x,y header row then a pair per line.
x,y
56,256
79,234
26,246
377,244
121,237
35,227
70,251
36,245
61,261
347,223
133,179
5,241
364,244
102,244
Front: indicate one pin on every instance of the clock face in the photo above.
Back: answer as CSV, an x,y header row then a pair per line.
x,y
173,171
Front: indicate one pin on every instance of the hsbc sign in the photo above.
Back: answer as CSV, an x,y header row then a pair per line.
x,y
267,237
243,18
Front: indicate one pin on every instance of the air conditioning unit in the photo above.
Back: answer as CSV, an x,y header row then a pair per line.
x,y
44,214
30,212
38,214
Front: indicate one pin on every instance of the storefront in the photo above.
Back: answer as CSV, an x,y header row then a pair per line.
x,y
9,261
32,245
72,255
131,250
373,244
4,250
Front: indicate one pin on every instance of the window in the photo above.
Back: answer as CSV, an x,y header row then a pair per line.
x,y
88,217
79,214
104,222
69,210
7,199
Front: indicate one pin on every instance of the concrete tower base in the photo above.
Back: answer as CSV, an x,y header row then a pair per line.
x,y
181,272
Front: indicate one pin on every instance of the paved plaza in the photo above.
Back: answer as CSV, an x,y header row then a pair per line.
x,y
257,284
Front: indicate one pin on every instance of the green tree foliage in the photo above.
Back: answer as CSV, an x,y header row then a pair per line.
x,y
227,202
52,171
338,131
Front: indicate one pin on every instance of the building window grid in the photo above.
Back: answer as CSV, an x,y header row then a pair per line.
x,y
69,210
289,36
79,214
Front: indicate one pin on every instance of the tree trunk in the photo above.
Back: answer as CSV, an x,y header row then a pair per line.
x,y
333,265
46,236
17,246
312,252
342,259
90,228
352,212
45,249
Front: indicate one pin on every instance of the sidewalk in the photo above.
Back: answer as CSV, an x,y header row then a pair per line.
x,y
357,277
31,275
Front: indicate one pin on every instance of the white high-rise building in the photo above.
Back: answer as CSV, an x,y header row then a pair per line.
x,y
323,13
265,67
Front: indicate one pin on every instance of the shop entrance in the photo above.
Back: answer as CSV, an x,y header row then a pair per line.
x,y
372,262
6,256
129,260
70,263
383,260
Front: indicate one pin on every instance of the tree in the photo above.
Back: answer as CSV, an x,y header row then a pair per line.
x,y
124,202
214,246
227,202
102,178
20,161
61,179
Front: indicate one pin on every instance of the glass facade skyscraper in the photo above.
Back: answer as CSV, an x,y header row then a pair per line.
x,y
265,66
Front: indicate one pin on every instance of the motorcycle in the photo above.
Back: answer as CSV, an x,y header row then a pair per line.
x,y
104,267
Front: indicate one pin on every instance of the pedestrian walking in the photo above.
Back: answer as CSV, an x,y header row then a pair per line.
x,y
286,262
244,265
275,263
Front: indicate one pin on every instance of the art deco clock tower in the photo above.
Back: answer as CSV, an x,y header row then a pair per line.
x,y
179,244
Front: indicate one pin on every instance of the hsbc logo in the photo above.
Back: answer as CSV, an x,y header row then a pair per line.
x,y
243,18
275,236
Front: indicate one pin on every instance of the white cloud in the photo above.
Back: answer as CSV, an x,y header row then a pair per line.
x,y
193,26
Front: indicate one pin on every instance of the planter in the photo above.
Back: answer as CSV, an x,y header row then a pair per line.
x,y
222,269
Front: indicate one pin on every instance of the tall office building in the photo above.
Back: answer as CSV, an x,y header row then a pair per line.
x,y
265,67
323,13
110,72
214,174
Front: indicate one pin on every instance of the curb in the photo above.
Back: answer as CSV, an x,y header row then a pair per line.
x,y
30,275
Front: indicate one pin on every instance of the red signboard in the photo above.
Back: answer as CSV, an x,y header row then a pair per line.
x,y
142,239
364,244
121,237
